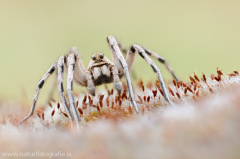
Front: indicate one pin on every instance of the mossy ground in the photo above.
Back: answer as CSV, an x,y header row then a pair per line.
x,y
204,123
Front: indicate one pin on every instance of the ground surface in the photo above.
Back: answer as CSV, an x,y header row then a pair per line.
x,y
205,123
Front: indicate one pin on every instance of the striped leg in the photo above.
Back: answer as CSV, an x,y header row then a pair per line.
x,y
79,75
39,86
61,65
162,60
123,49
131,56
121,63
71,66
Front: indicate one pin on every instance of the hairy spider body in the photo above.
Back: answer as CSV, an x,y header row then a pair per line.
x,y
100,71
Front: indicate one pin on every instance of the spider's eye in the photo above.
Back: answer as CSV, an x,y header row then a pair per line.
x,y
101,56
94,58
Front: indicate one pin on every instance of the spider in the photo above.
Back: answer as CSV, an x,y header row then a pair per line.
x,y
99,71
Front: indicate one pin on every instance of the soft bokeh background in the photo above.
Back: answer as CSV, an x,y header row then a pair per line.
x,y
191,35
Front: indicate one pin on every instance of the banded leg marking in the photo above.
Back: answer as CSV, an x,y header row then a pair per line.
x,y
61,66
71,65
39,86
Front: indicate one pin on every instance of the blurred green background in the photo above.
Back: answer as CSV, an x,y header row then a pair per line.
x,y
191,35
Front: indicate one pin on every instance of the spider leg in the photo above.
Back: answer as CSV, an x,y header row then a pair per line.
x,y
90,84
71,66
117,82
121,63
39,86
61,66
79,75
162,60
130,57
124,50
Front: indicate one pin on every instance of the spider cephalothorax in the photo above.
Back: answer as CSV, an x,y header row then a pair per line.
x,y
102,69
99,71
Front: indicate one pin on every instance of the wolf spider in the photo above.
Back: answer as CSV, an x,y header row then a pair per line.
x,y
99,71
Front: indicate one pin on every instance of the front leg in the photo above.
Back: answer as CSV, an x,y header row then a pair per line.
x,y
90,85
117,82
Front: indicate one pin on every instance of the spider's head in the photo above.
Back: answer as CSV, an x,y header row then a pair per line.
x,y
97,58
